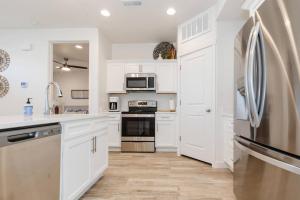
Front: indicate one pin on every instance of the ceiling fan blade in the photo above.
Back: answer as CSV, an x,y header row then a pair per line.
x,y
57,62
78,67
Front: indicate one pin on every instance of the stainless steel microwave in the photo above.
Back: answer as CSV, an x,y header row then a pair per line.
x,y
140,82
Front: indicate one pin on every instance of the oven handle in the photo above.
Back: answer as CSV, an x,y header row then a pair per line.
x,y
138,115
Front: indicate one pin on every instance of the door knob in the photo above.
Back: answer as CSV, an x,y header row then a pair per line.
x,y
208,110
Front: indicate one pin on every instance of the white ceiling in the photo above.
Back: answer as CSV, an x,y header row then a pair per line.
x,y
68,50
148,23
79,57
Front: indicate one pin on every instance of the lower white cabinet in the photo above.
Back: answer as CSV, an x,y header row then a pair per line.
x,y
100,153
228,140
77,160
114,130
166,132
84,157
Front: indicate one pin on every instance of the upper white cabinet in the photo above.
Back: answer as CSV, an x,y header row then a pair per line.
x,y
165,70
167,77
132,68
142,67
148,67
115,77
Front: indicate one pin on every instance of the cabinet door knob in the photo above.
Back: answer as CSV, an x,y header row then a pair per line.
x,y
208,110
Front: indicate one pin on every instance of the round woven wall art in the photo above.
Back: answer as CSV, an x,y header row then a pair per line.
x,y
166,49
4,60
4,86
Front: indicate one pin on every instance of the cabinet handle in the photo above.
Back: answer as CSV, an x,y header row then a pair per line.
x,y
156,127
118,127
95,144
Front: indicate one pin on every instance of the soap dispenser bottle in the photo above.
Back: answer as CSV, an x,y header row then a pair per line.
x,y
28,108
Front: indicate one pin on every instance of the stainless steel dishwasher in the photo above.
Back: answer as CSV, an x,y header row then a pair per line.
x,y
30,163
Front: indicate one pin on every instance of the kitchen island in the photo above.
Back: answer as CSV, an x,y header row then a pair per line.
x,y
84,147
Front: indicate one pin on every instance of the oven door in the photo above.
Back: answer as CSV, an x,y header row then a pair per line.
x,y
138,127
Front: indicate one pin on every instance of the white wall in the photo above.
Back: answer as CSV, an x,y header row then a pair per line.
x,y
73,80
105,53
33,66
133,51
226,33
227,30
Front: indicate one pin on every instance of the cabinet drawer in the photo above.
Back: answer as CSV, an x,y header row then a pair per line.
x,y
165,117
74,129
112,117
99,124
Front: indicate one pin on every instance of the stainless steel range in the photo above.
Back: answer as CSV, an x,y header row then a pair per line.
x,y
138,127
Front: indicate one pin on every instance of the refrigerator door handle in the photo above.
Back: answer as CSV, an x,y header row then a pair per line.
x,y
257,56
251,63
248,104
263,71
270,160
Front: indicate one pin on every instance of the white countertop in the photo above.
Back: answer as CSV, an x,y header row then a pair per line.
x,y
20,120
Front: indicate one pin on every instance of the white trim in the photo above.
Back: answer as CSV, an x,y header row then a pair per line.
x,y
219,165
114,149
166,149
252,5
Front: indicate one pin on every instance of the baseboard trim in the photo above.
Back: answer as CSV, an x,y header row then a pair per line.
x,y
114,149
166,149
219,165
158,149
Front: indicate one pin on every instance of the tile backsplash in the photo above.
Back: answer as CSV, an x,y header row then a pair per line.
x,y
162,99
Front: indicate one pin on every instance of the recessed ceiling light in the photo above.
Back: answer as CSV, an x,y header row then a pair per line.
x,y
67,69
105,13
171,11
78,46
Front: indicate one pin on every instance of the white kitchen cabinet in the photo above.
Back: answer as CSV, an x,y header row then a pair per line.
x,y
165,70
84,155
166,132
114,130
228,140
166,77
77,160
142,67
100,153
115,77
148,67
132,68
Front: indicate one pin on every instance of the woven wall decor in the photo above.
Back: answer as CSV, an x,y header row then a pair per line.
x,y
4,60
4,86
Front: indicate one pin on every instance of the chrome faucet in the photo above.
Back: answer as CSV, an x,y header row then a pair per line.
x,y
48,108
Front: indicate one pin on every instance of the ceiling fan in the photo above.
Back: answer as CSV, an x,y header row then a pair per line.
x,y
66,67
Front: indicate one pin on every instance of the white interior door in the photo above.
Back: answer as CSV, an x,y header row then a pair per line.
x,y
197,101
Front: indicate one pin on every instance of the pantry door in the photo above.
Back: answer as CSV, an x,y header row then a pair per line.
x,y
197,105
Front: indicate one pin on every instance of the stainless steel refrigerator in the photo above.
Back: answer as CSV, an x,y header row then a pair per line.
x,y
267,104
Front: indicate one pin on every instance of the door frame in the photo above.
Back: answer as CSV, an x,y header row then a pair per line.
x,y
214,100
91,69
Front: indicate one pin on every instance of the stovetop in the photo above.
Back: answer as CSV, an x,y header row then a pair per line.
x,y
141,107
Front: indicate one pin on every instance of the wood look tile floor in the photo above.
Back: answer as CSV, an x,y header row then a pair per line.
x,y
160,176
